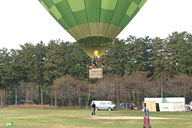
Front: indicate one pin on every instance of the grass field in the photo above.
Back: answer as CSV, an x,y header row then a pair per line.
x,y
32,118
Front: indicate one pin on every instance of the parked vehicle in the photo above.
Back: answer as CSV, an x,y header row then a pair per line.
x,y
190,105
187,108
104,105
127,105
20,101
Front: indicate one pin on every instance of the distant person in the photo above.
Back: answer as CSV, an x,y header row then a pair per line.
x,y
132,106
99,63
93,108
95,62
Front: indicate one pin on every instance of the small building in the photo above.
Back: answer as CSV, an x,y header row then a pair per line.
x,y
169,104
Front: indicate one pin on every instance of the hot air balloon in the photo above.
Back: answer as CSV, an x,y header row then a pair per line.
x,y
93,23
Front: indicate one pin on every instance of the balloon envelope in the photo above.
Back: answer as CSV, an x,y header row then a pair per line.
x,y
93,23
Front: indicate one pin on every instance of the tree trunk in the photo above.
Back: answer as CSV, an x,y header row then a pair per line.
x,y
51,100
161,86
55,99
126,94
88,98
15,95
135,97
62,101
119,94
66,92
106,96
143,95
126,97
5,91
41,95
131,95
79,101
1,98
115,94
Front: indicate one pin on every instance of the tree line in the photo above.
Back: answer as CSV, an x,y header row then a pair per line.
x,y
135,68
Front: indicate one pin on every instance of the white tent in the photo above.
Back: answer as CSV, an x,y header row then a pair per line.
x,y
169,103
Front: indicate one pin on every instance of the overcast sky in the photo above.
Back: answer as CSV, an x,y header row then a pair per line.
x,y
23,21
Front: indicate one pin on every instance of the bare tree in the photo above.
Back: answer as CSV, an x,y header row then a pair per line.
x,y
28,92
137,85
108,88
179,85
66,89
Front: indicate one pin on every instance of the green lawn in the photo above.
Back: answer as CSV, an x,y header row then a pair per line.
x,y
31,118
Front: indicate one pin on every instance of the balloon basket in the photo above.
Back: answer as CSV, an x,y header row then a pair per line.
x,y
96,73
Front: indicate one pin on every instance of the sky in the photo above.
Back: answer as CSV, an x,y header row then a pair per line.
x,y
26,21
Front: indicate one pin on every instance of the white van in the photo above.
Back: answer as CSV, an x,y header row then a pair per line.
x,y
104,105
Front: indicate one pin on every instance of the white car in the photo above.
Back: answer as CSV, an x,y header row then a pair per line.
x,y
104,105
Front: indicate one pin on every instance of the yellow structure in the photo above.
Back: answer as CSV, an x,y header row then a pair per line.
x,y
151,106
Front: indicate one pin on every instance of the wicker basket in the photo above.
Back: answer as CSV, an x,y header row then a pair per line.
x,y
96,73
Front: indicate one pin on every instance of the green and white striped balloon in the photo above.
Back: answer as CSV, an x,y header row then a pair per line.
x,y
93,23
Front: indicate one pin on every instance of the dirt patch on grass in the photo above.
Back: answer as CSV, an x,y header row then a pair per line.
x,y
130,118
